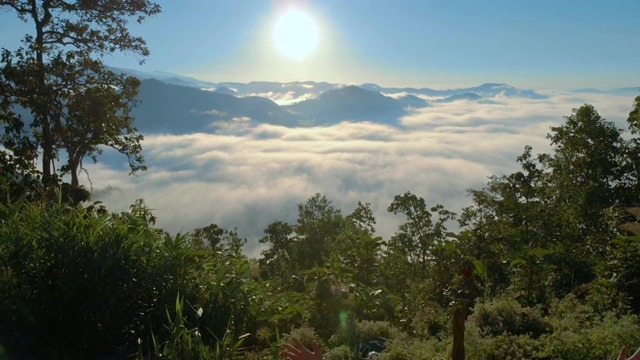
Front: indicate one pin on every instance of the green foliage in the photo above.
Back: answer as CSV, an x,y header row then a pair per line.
x,y
76,105
408,348
506,316
53,256
367,330
431,320
68,268
571,330
187,343
342,352
634,116
327,299
504,347
580,332
546,265
305,334
227,297
319,224
279,260
182,342
417,237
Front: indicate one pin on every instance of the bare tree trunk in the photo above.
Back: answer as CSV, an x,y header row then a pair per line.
x,y
459,317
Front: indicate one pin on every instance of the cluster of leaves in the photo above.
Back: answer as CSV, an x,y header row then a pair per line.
x,y
58,102
80,282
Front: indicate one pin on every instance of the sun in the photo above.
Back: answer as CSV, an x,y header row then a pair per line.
x,y
296,34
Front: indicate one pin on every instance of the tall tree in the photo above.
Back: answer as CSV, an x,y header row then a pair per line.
x,y
279,259
319,224
587,165
634,116
420,234
356,250
76,104
555,211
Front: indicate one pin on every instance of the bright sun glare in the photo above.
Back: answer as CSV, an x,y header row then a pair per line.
x,y
296,34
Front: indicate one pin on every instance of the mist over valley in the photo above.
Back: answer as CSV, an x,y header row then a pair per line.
x,y
244,154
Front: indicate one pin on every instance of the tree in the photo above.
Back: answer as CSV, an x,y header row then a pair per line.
x,y
633,166
278,260
419,235
589,178
634,116
75,103
587,165
319,224
357,251
542,229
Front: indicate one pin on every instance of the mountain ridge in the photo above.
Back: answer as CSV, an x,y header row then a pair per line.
x,y
315,88
176,104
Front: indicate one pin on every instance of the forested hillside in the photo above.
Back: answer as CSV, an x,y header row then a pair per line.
x,y
544,264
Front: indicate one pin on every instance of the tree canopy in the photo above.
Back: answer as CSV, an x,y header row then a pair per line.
x,y
57,94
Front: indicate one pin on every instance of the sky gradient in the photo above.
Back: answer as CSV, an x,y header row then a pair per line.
x,y
440,44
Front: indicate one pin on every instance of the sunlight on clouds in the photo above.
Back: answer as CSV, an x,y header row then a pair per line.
x,y
253,177
285,98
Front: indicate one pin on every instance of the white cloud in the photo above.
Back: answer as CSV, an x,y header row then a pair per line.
x,y
285,98
252,177
215,112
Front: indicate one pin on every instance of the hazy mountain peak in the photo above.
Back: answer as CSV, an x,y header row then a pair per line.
x,y
225,90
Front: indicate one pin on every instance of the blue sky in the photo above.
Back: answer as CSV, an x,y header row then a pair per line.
x,y
531,44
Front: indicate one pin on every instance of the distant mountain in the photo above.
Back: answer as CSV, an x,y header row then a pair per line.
x,y
484,90
167,108
298,90
493,90
225,90
281,92
395,90
412,101
350,103
172,103
628,91
177,81
164,77
458,97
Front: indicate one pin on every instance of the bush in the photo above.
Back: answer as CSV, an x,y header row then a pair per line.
x,y
404,347
507,316
79,283
340,353
431,320
367,330
502,347
582,333
305,334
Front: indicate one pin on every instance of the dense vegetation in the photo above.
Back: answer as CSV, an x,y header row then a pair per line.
x,y
546,264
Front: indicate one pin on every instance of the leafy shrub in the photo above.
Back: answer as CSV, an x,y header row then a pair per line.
x,y
502,347
340,353
184,341
507,316
582,333
431,320
305,334
367,330
404,347
77,282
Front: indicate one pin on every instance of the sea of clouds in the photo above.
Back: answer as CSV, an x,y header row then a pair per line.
x,y
250,176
